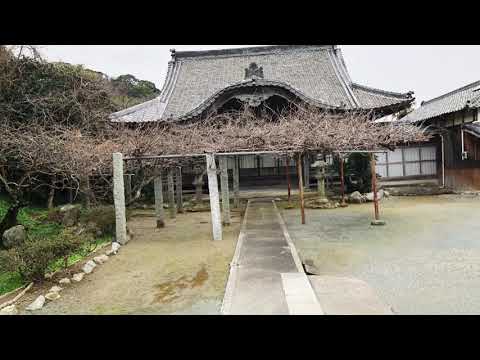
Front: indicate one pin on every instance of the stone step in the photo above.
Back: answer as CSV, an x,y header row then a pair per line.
x,y
347,296
300,296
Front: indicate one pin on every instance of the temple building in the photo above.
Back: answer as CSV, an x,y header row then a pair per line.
x,y
453,117
199,83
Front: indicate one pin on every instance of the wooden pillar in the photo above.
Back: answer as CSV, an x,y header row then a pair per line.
x,y
225,190
300,187
377,220
171,194
179,190
119,199
236,182
342,179
214,198
160,212
289,183
306,171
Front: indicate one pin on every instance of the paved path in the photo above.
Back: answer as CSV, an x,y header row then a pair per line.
x,y
266,276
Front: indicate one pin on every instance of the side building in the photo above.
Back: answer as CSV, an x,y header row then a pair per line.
x,y
454,119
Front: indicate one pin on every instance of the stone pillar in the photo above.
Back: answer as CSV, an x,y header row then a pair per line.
x,y
128,188
214,198
236,182
225,190
198,188
171,194
119,199
160,212
179,191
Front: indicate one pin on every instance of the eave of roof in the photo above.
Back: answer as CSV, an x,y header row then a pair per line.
x,y
344,94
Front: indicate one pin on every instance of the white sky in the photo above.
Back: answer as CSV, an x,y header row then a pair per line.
x,y
429,71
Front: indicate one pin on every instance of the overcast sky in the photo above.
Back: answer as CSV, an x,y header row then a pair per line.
x,y
429,71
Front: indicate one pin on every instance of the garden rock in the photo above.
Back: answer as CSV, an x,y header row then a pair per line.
x,y
78,277
37,304
64,281
55,289
380,195
52,296
356,198
9,310
109,252
70,215
89,266
14,236
115,247
100,259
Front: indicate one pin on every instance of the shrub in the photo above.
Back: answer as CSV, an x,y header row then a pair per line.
x,y
32,259
103,217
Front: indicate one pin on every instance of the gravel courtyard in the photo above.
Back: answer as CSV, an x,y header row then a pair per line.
x,y
426,260
175,270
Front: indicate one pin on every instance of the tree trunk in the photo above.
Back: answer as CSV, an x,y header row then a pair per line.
x,y
51,195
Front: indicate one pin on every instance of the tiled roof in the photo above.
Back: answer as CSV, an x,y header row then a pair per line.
x,y
473,128
315,73
466,96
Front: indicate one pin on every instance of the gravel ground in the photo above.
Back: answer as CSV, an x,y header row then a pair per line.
x,y
426,260
175,270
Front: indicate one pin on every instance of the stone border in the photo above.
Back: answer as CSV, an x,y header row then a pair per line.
x,y
293,249
232,277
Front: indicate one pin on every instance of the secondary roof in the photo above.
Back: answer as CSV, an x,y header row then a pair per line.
x,y
465,97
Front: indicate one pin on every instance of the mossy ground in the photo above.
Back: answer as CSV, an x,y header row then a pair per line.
x,y
38,224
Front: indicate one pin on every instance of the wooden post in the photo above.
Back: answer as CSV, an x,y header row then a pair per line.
x,y
236,182
171,194
160,212
342,180
225,192
287,172
300,187
377,220
214,198
306,171
179,191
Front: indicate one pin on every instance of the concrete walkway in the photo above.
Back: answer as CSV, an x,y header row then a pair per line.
x,y
266,275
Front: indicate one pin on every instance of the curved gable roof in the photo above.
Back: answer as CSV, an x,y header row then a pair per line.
x,y
315,73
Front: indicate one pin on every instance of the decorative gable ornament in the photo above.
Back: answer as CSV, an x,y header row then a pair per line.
x,y
254,72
